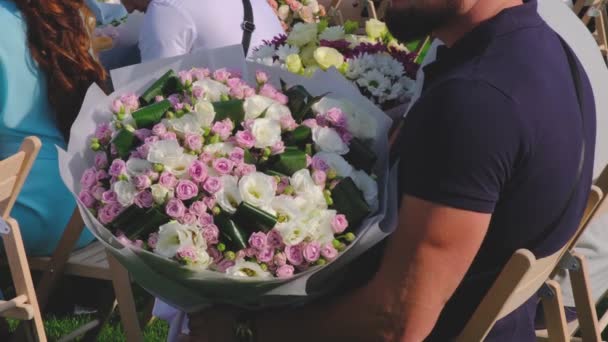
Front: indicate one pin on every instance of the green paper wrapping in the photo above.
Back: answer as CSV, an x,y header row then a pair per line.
x,y
361,155
137,223
289,162
253,218
234,235
249,158
164,86
232,109
299,136
123,142
348,200
149,116
152,219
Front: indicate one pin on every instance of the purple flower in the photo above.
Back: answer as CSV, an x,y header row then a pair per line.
x,y
310,123
282,185
193,142
281,98
143,133
336,117
205,157
153,240
97,191
258,240
159,130
214,254
278,148
89,178
175,208
285,271
186,190
308,160
197,92
329,252
265,255
248,124
209,201
220,128
205,219
288,123
143,150
198,171
312,251
103,132
117,106
261,77
244,169
144,199
280,259
211,234
318,164
245,139
268,90
319,177
130,101
102,174
101,160
87,199
118,167
198,208
185,77
142,182
248,91
294,254
152,175
200,73
186,253
221,75
169,136
223,265
237,155
109,197
174,100
212,185
167,180
188,218
274,239
339,223
109,212
223,165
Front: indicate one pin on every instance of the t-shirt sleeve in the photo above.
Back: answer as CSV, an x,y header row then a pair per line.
x,y
460,145
166,32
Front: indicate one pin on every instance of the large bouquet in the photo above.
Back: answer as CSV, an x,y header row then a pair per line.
x,y
376,63
210,188
291,12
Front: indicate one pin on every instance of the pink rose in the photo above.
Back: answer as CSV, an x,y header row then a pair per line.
x,y
153,240
200,73
245,139
280,259
281,98
274,239
308,160
117,106
248,91
97,191
265,255
198,92
211,234
109,212
174,100
214,254
198,208
312,251
212,185
198,171
336,117
223,165
285,271
258,240
318,164
221,129
288,123
319,177
89,178
248,124
346,136
278,148
268,90
205,157
167,180
144,199
118,167
237,92
209,202
103,132
169,136
87,199
159,130
294,254
101,175
142,182
186,253
223,265
310,123
194,142
109,197
186,190
143,133
329,252
175,208
158,98
339,223
185,77
205,219
101,160
130,101
143,150
237,155
282,185
221,75
261,77
244,169
188,218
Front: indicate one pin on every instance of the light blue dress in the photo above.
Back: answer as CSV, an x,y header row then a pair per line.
x,y
44,206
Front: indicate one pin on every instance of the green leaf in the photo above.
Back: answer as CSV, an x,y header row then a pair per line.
x,y
361,156
300,136
322,25
249,158
298,97
233,234
149,116
253,218
351,27
348,200
166,85
289,162
149,223
123,141
232,109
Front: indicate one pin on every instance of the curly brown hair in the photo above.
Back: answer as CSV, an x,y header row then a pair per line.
x,y
60,42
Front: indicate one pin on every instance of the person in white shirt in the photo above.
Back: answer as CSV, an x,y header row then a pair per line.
x,y
176,27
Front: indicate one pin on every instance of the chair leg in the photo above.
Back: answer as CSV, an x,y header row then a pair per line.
x,y
555,317
585,306
126,303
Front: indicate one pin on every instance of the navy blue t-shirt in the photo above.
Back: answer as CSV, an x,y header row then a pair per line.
x,y
498,130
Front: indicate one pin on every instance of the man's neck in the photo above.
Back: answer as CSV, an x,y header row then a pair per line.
x,y
470,18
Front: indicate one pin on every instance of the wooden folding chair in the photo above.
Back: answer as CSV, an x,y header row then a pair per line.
x,y
13,172
520,279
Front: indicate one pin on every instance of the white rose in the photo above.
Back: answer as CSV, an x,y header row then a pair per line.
x,y
307,190
173,236
293,232
375,29
267,132
283,12
302,34
328,140
367,185
187,124
164,152
179,166
204,113
255,105
328,57
213,90
160,194
337,163
125,192
219,148
257,189
247,269
137,167
332,33
229,197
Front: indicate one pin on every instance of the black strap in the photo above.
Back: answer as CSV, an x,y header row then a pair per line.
x,y
248,26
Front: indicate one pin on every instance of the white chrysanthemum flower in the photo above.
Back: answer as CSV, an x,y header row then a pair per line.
x,y
332,33
262,52
247,269
375,82
285,50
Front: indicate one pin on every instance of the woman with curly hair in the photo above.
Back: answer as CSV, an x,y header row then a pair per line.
x,y
46,67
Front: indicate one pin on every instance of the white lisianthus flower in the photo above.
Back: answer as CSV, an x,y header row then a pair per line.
x,y
160,194
179,167
213,90
283,12
255,105
302,34
293,232
329,102
367,185
375,29
327,57
285,50
173,236
287,208
164,152
187,124
337,163
204,113
267,132
277,111
328,140
306,190
247,269
203,261
332,33
320,226
229,197
137,167
223,148
257,189
125,192
360,124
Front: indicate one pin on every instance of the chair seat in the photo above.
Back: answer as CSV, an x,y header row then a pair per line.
x,y
90,262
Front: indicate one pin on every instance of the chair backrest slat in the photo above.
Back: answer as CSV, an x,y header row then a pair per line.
x,y
14,171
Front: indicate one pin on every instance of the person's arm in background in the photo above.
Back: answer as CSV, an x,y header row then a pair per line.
x,y
167,31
